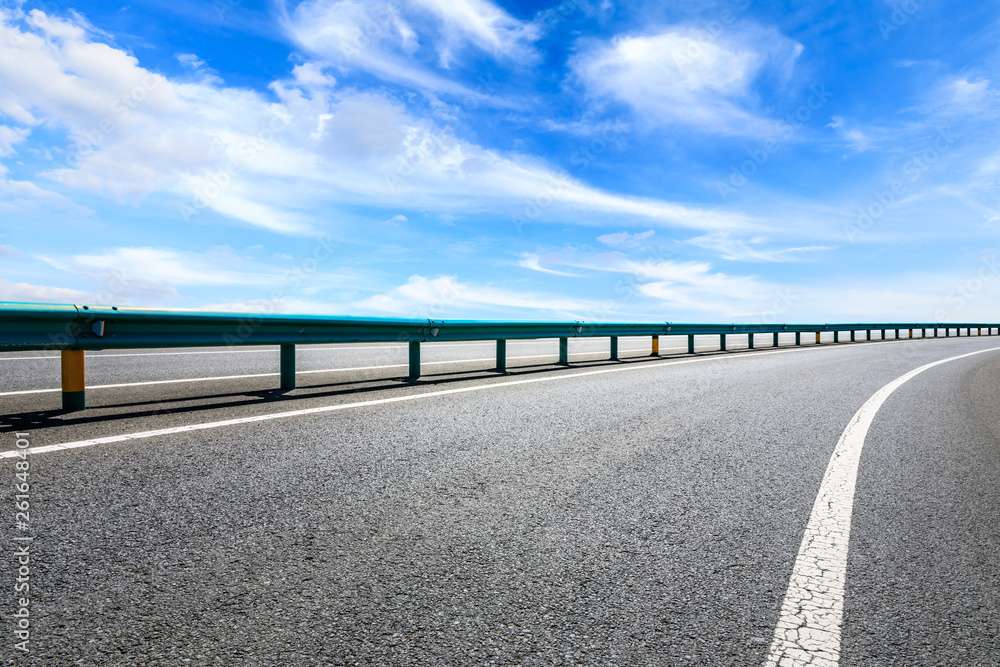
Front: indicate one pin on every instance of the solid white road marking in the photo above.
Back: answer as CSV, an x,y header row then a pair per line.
x,y
262,375
345,346
808,630
380,401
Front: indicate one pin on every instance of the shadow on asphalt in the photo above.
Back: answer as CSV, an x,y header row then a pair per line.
x,y
43,419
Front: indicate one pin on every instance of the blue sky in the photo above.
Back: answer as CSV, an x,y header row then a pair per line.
x,y
683,161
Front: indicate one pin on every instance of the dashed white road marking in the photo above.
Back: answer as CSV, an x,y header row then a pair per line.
x,y
808,629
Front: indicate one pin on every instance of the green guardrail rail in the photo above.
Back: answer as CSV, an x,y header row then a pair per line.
x,y
74,329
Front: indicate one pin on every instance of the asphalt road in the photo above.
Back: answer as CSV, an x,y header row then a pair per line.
x,y
647,512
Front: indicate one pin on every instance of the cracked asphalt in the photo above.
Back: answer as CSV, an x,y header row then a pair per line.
x,y
644,517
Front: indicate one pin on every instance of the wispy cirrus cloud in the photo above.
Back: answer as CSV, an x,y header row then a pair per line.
x,y
447,296
273,164
683,75
392,41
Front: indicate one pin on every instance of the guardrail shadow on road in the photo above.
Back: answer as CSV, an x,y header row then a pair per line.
x,y
40,420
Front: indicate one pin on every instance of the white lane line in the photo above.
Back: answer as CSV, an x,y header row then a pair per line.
x,y
23,392
808,629
312,348
410,397
380,401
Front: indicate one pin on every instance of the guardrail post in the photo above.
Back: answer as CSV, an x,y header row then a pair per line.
x,y
501,355
564,351
852,335
614,348
817,338
947,334
414,360
883,334
923,333
911,333
775,339
287,365
656,346
868,334
74,383
897,334
749,341
836,336
722,342
979,331
690,343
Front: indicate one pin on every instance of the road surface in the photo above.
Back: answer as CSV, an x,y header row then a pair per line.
x,y
647,512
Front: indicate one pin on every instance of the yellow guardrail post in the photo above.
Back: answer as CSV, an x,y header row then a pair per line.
x,y
911,333
656,346
74,383
817,338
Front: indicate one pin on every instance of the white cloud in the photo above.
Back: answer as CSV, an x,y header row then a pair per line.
x,y
190,60
688,76
534,262
446,296
383,37
625,239
854,137
751,250
239,154
284,304
26,197
169,266
28,293
483,24
9,136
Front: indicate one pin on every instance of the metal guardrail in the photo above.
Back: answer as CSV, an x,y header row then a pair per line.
x,y
74,329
